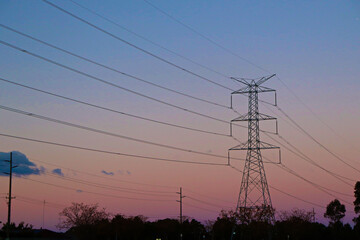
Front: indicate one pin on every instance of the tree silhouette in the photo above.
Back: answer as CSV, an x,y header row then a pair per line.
x,y
335,211
80,214
297,215
89,222
20,227
298,224
357,202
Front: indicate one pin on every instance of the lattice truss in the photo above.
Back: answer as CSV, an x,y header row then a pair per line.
x,y
254,190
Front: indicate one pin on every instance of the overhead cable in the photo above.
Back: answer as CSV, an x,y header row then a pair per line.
x,y
110,133
110,152
113,69
135,46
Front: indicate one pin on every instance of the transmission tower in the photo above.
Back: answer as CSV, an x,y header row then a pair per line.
x,y
254,190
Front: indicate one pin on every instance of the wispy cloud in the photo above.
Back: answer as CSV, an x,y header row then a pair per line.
x,y
107,173
124,172
58,171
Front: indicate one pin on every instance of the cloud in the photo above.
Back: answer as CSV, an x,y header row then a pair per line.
x,y
79,191
122,172
107,173
24,166
58,171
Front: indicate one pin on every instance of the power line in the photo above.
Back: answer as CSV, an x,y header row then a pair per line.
x,y
204,209
195,199
321,188
286,141
298,153
207,196
314,114
60,206
110,109
128,114
135,46
104,177
113,69
110,134
309,160
109,187
302,155
148,40
37,203
115,85
162,217
300,199
244,59
316,141
111,152
202,35
40,202
56,205
96,193
288,194
204,202
253,64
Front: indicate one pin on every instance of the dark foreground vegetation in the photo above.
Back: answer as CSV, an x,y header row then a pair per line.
x,y
296,224
89,222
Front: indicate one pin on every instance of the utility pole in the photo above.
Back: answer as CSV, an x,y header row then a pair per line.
x,y
180,201
254,191
43,217
313,215
181,215
10,196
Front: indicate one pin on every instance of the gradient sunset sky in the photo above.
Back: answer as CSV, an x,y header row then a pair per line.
x,y
312,46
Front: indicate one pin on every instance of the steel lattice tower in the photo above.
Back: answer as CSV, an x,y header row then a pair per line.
x,y
254,190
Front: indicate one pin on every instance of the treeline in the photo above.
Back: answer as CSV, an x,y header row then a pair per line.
x,y
251,224
296,224
89,222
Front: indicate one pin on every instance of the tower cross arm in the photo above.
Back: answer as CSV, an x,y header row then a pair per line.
x,y
264,145
264,79
246,117
242,90
241,80
265,89
242,146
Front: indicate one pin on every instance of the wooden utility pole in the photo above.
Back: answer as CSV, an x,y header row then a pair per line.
x,y
180,201
181,215
10,196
